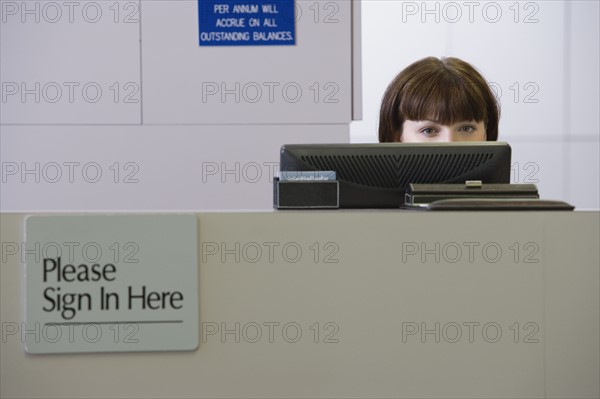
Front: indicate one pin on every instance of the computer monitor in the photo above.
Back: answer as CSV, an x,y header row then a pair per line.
x,y
378,175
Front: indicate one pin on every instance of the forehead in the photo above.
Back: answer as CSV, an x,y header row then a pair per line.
x,y
442,106
435,122
443,98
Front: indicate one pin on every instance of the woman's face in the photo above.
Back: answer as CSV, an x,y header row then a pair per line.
x,y
431,132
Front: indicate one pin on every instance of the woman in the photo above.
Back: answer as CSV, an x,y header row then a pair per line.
x,y
439,100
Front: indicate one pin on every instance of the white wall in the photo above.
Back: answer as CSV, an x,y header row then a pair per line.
x,y
113,105
549,50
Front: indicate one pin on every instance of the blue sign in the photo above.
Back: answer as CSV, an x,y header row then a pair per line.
x,y
247,23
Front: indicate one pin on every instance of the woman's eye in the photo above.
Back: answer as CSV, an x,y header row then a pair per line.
x,y
468,128
428,131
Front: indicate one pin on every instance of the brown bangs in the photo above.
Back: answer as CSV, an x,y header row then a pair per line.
x,y
442,99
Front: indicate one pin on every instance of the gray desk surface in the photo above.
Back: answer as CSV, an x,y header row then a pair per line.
x,y
388,304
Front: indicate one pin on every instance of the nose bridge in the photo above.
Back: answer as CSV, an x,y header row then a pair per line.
x,y
448,133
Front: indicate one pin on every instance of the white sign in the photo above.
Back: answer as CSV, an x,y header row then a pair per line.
x,y
111,283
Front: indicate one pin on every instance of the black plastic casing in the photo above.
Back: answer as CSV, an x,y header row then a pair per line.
x,y
378,175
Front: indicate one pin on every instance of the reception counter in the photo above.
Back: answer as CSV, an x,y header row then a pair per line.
x,y
354,304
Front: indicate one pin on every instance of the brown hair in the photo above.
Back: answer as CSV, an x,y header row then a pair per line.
x,y
445,91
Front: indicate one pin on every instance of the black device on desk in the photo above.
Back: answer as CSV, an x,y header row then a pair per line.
x,y
379,175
